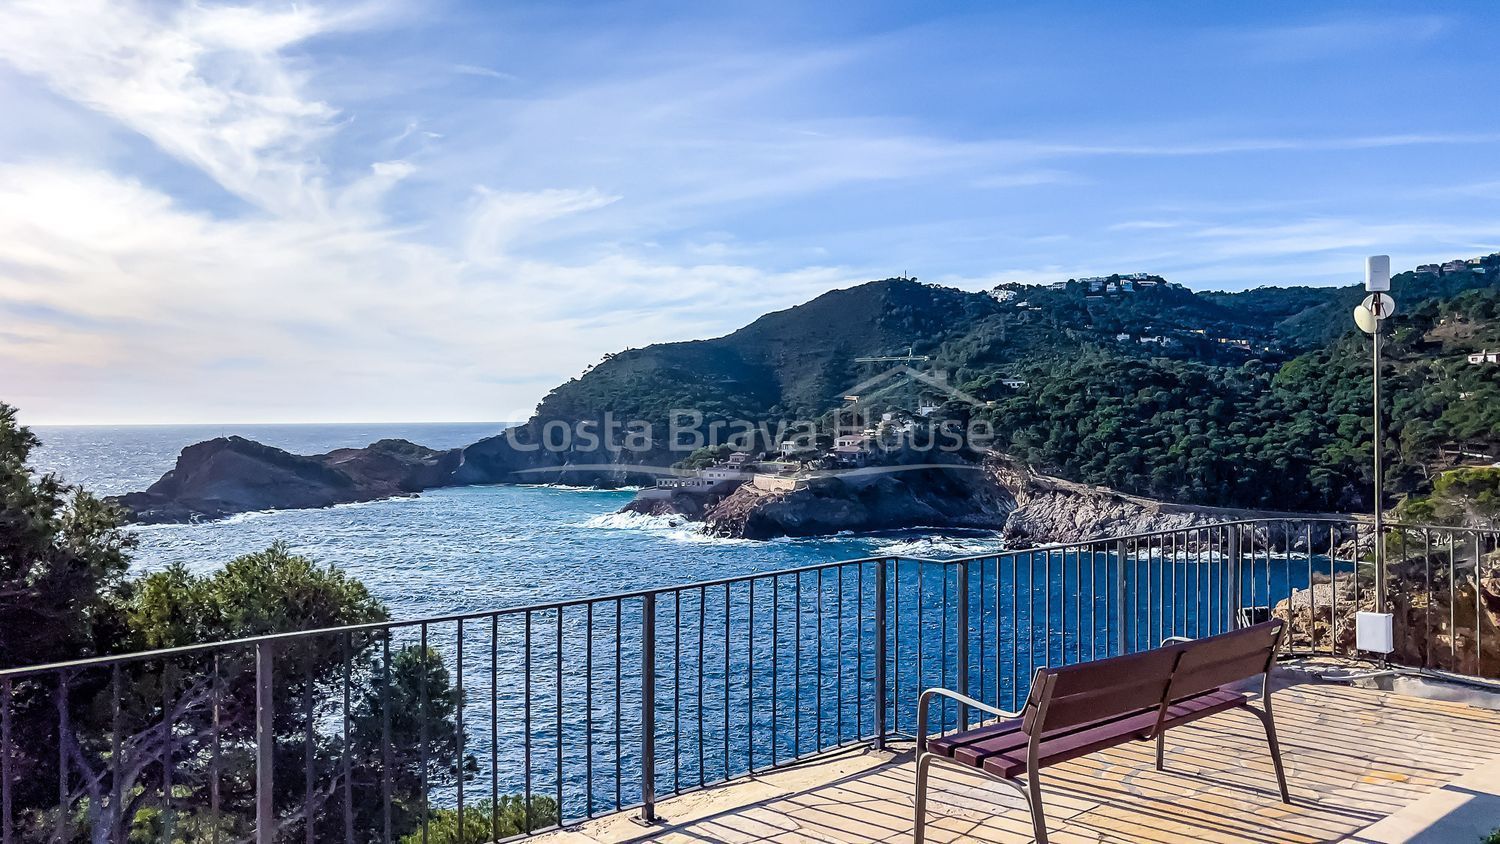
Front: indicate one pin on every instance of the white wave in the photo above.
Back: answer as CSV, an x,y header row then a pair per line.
x,y
577,488
628,520
941,546
672,528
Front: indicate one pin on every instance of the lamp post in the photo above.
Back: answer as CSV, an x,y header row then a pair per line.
x,y
1380,306
1374,631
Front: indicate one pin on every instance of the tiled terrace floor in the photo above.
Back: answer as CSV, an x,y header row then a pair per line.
x,y
1354,756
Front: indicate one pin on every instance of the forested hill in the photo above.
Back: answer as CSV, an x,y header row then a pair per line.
x,y
1255,398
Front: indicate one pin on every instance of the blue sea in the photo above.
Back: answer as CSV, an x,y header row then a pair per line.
x,y
469,549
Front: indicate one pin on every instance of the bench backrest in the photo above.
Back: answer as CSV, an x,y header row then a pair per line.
x,y
1077,694
1073,695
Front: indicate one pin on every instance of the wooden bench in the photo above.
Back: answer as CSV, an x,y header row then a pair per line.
x,y
1079,709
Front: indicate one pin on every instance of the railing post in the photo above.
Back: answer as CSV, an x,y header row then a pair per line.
x,y
1127,613
1237,585
963,641
648,708
265,743
880,631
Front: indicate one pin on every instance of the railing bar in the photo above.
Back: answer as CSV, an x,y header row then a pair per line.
x,y
1478,607
1015,628
526,722
698,703
495,729
648,652
168,814
942,643
648,708
818,692
1093,601
750,683
677,691
7,818
877,715
859,650
727,603
895,650
775,664
1312,594
588,713
1078,602
462,704
60,703
347,656
983,651
838,725
619,707
1030,614
1270,544
1428,660
997,668
307,749
385,737
797,665
422,728
557,720
117,750
1452,602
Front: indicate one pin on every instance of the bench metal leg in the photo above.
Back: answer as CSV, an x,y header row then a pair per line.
x,y
1270,724
1161,748
1038,816
924,762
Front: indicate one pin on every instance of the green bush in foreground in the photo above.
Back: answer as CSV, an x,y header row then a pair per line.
x,y
483,821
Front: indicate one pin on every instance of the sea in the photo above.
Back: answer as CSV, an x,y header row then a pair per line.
x,y
470,548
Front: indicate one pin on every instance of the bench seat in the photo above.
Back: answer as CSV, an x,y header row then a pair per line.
x,y
1000,749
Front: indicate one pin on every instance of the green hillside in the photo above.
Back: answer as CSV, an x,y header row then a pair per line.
x,y
1255,398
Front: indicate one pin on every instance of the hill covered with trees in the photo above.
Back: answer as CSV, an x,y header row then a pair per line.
x,y
1257,398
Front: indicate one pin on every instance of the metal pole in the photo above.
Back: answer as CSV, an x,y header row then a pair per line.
x,y
1380,585
1123,627
880,590
963,641
265,743
648,708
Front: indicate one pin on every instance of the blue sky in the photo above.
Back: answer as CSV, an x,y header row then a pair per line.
x,y
388,211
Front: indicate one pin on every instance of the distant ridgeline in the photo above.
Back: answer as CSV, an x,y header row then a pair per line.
x,y
1251,399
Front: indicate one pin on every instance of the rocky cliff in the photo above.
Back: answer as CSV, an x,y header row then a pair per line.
x,y
926,497
1445,618
229,475
1030,509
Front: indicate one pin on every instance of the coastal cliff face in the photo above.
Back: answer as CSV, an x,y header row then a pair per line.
x,y
941,497
1029,509
229,475
1052,510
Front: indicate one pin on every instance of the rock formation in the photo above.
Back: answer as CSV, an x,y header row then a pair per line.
x,y
229,475
1445,618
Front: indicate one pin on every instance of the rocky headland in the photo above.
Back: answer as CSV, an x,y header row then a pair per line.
x,y
229,475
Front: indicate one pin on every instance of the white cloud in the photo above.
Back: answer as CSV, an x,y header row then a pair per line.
x,y
206,83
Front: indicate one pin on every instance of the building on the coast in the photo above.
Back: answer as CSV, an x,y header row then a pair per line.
x,y
1484,357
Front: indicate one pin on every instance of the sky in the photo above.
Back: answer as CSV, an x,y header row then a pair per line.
x,y
387,211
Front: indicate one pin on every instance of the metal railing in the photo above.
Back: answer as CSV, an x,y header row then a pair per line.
x,y
511,722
